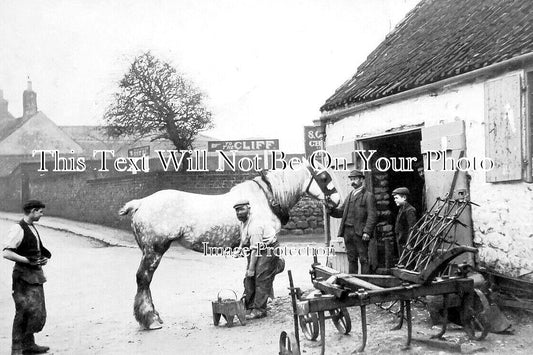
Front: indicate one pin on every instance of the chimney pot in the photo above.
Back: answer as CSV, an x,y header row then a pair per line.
x,y
29,101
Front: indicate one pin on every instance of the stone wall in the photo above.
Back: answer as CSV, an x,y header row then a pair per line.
x,y
306,218
501,230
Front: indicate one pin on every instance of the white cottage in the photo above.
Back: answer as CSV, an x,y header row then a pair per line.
x,y
455,77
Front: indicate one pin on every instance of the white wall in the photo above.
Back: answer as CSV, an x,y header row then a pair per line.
x,y
503,223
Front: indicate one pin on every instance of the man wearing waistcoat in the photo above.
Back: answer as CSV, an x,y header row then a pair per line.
x,y
25,248
262,266
359,217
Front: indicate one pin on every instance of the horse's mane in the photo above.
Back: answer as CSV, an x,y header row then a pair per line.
x,y
288,185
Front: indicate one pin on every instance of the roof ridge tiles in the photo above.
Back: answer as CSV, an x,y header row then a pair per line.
x,y
460,36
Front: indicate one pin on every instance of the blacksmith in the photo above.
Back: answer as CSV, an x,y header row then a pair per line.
x,y
25,248
262,266
405,219
359,217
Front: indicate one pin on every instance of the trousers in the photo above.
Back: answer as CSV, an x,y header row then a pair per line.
x,y
356,250
30,312
259,288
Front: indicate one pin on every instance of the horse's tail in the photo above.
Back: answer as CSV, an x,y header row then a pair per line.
x,y
132,206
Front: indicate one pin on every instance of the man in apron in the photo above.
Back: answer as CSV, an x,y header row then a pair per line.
x,y
262,265
25,248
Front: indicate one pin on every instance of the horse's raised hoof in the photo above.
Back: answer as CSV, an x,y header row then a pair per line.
x,y
155,325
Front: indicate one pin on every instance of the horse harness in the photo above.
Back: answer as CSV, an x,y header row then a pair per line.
x,y
266,187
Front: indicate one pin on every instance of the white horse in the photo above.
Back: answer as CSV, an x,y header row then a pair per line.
x,y
195,219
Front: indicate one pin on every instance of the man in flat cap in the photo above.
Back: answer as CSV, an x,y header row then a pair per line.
x,y
25,248
359,217
405,219
262,266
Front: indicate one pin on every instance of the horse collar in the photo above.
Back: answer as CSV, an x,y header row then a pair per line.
x,y
266,187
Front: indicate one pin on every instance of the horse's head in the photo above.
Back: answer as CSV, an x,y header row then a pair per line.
x,y
321,184
288,185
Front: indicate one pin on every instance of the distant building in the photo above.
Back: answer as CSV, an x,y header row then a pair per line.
x,y
4,112
33,131
92,138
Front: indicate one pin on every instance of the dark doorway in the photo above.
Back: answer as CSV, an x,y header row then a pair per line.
x,y
394,146
401,145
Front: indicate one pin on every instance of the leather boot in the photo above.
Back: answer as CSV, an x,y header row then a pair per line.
x,y
36,349
30,347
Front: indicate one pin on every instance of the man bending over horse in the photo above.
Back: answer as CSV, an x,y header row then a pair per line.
x,y
262,265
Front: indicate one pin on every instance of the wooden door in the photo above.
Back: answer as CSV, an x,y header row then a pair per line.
x,y
449,139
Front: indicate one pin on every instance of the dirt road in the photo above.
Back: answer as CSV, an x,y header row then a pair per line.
x,y
90,295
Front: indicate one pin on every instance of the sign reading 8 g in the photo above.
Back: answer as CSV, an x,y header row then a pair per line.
x,y
313,139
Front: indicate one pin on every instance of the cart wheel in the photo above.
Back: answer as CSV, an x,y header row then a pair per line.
x,y
474,316
309,326
341,319
288,345
391,307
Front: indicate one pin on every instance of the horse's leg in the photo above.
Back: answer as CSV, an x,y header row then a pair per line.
x,y
144,309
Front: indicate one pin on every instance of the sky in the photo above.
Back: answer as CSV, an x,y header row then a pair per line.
x,y
266,66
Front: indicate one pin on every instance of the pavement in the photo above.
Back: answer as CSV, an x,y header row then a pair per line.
x,y
107,235
124,238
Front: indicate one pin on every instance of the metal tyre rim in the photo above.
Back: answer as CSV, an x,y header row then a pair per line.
x,y
310,326
391,306
341,319
288,345
474,317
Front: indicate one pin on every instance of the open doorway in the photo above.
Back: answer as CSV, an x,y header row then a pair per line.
x,y
382,183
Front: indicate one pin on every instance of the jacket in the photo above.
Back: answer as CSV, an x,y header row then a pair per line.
x,y
364,207
405,220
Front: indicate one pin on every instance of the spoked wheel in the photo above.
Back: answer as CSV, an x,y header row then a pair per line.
x,y
341,319
474,315
391,306
309,326
288,345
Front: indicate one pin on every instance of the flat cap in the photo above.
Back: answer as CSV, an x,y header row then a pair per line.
x,y
28,205
241,202
400,191
356,173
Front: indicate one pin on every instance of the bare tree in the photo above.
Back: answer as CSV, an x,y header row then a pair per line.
x,y
155,100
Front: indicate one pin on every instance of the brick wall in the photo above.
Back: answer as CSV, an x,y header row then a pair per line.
x,y
95,197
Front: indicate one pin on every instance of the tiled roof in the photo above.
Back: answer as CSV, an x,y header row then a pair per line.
x,y
437,40
7,127
9,163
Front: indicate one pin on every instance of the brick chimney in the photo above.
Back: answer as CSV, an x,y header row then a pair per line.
x,y
3,107
29,101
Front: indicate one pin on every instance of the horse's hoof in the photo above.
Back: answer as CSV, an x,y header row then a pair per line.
x,y
155,325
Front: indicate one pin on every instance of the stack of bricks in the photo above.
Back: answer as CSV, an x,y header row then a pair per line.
x,y
384,227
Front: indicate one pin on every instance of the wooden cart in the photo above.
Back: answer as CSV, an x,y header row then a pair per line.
x,y
427,267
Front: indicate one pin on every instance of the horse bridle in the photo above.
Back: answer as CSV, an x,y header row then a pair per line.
x,y
322,179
